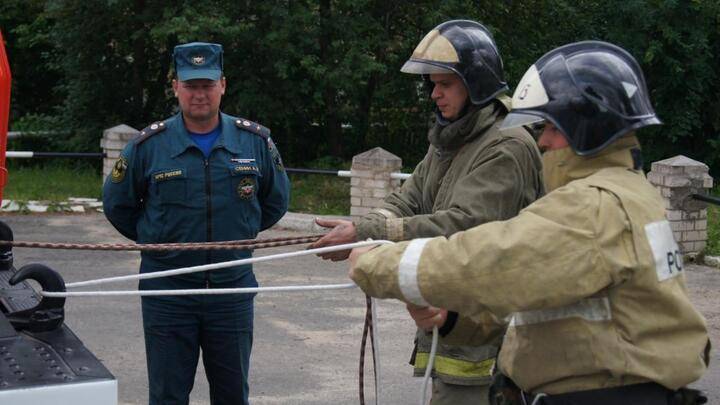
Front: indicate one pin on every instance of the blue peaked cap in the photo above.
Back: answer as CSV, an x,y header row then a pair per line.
x,y
198,60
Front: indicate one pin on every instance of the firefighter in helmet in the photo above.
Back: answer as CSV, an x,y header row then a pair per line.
x,y
590,275
472,174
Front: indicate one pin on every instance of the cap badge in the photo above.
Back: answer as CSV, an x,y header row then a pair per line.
x,y
198,60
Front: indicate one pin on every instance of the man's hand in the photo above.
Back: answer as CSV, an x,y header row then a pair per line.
x,y
343,232
354,255
427,317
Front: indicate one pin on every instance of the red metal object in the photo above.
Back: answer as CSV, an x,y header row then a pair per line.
x,y
4,111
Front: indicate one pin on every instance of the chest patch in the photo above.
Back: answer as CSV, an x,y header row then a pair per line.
x,y
168,175
118,172
246,188
668,259
275,155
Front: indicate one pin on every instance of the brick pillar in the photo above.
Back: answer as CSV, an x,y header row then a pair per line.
x,y
113,142
677,178
371,181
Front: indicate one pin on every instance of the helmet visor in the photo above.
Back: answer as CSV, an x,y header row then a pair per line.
x,y
418,67
516,119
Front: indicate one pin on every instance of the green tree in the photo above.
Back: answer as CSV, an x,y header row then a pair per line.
x,y
324,74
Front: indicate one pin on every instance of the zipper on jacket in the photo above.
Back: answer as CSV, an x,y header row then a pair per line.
x,y
208,205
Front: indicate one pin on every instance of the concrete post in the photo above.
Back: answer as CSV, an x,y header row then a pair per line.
x,y
371,182
677,178
113,142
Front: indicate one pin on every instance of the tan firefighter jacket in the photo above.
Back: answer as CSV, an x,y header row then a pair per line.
x,y
590,276
471,174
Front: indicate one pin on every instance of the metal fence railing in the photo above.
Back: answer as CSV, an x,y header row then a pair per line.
x,y
100,155
29,155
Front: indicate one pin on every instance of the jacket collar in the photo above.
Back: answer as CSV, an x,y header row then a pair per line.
x,y
228,138
562,166
449,136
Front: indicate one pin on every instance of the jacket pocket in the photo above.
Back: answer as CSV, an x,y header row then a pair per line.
x,y
171,185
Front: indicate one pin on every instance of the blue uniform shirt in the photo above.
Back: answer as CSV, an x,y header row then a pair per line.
x,y
163,189
207,140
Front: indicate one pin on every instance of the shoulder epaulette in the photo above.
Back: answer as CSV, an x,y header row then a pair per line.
x,y
253,127
154,128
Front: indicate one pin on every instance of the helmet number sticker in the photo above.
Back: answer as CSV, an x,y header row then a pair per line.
x,y
530,92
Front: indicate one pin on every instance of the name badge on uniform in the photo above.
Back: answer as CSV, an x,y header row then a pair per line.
x,y
245,169
668,259
168,175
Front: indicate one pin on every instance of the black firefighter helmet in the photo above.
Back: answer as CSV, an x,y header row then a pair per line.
x,y
593,92
465,48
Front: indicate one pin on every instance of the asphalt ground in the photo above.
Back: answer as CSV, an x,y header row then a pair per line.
x,y
306,344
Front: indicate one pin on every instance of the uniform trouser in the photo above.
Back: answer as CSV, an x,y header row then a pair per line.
x,y
452,394
177,328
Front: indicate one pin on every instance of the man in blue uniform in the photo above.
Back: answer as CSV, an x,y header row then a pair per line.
x,y
198,176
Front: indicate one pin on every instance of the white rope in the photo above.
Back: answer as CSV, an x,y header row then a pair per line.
x,y
201,291
246,290
430,364
222,265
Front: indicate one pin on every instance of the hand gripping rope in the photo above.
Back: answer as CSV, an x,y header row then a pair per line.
x,y
55,290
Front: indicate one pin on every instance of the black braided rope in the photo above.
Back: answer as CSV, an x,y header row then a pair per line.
x,y
367,331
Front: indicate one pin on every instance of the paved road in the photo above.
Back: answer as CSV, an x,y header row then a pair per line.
x,y
306,344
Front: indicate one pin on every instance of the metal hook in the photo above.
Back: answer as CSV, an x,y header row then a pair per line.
x,y
48,314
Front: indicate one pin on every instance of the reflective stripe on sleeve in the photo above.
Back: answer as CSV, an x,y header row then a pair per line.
x,y
407,272
589,309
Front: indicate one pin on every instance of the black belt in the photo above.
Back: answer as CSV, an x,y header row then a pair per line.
x,y
636,394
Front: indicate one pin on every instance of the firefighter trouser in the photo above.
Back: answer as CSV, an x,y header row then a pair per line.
x,y
452,394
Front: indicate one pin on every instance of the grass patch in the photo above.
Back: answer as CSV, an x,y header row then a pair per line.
x,y
52,183
713,227
315,194
320,194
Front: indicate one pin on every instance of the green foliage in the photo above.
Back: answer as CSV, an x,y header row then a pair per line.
x,y
319,194
678,44
324,74
713,245
713,227
56,182
51,182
